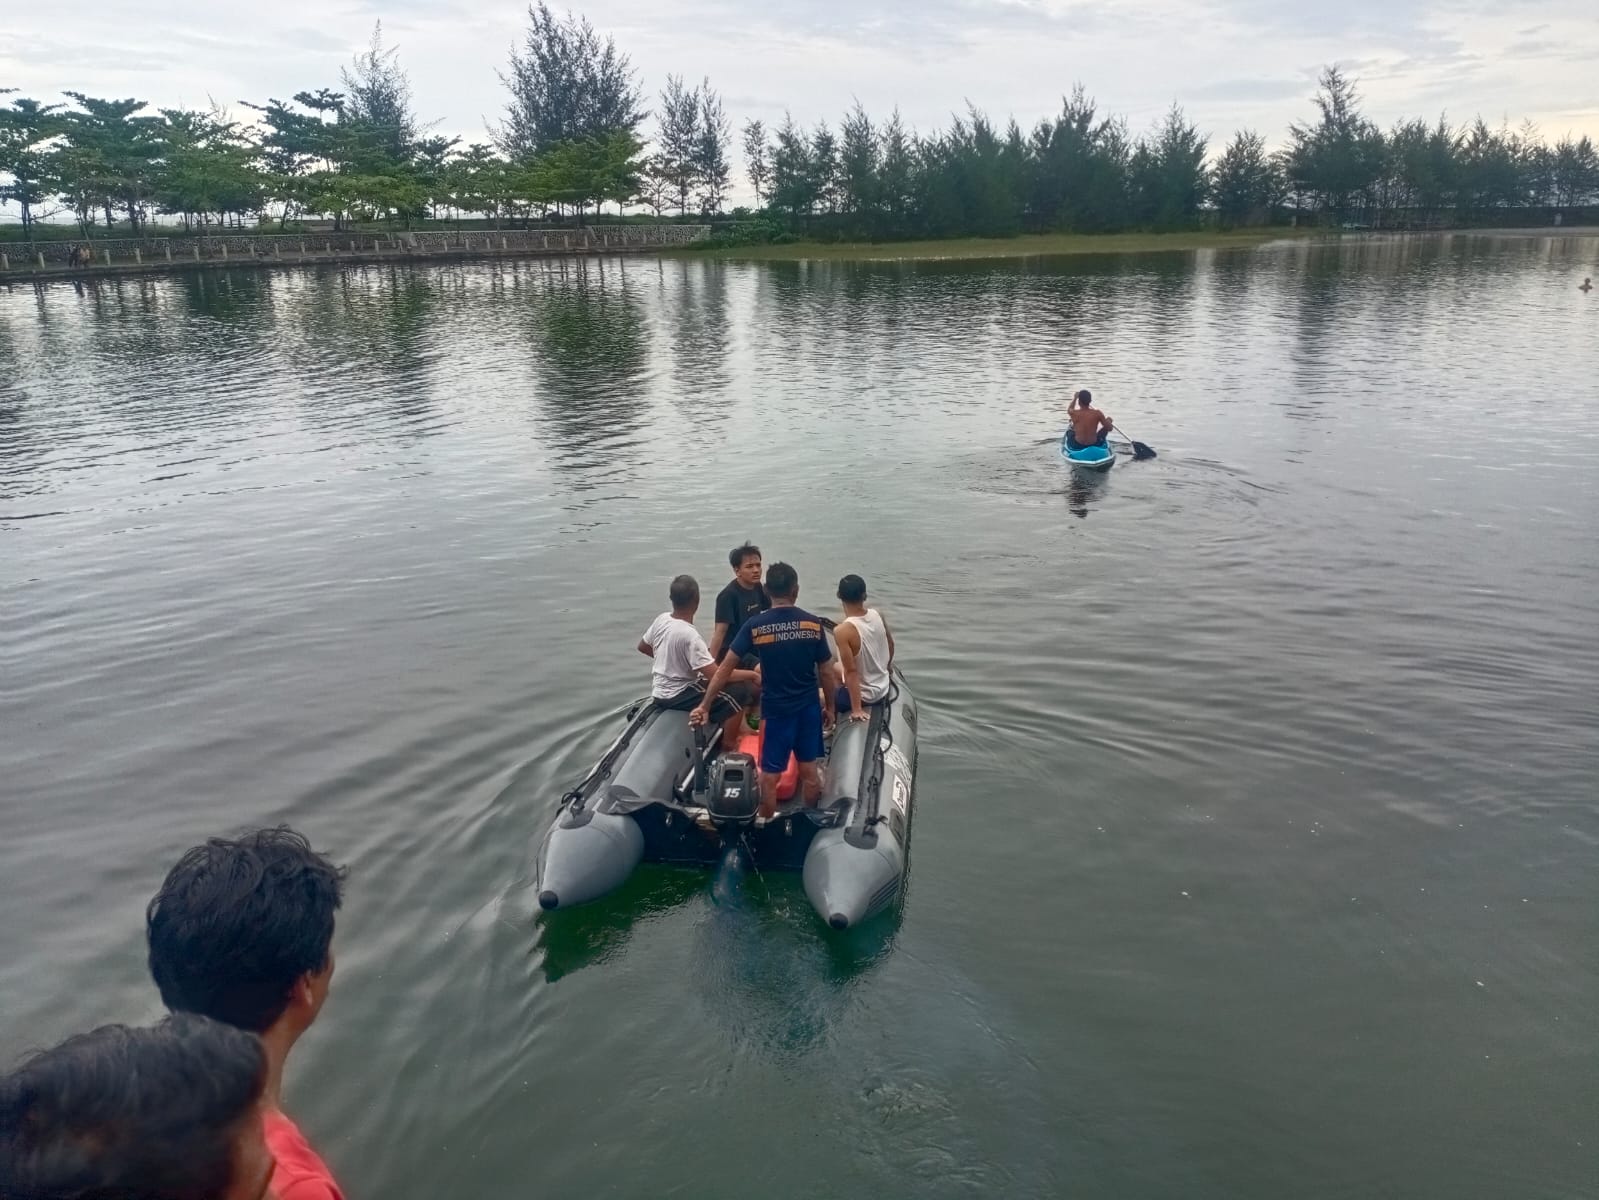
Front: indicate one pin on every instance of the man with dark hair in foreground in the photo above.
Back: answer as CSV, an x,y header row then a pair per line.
x,y
168,1113
242,932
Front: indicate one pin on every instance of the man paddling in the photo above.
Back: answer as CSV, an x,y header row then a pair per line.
x,y
792,648
1089,426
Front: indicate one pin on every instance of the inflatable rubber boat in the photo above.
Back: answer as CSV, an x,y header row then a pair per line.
x,y
666,793
1089,458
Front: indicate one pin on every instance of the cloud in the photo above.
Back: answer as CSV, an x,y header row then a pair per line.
x,y
1534,48
1397,22
86,58
1253,89
1230,63
312,39
897,28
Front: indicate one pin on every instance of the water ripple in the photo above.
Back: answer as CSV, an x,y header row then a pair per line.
x,y
1256,825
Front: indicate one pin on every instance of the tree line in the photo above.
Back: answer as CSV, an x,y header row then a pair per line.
x,y
572,139
569,140
1083,171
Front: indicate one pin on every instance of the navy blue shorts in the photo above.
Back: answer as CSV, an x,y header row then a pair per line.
x,y
1073,444
799,733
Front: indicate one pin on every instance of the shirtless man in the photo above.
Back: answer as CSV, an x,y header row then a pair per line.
x,y
865,651
1089,426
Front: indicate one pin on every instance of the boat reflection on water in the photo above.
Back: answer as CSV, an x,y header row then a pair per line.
x,y
1084,489
760,967
768,975
580,937
753,927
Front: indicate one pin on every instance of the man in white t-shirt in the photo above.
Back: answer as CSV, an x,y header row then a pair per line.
x,y
682,663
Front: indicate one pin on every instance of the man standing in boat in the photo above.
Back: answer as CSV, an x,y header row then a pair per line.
x,y
792,648
740,600
681,662
1089,426
865,651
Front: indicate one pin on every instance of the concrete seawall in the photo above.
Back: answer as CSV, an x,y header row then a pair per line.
x,y
141,256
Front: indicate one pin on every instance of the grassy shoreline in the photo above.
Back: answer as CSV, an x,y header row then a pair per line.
x,y
1030,245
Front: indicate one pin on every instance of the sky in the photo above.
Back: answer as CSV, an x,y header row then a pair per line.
x,y
1229,63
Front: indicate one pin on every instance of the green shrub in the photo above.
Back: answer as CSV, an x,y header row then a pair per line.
x,y
757,232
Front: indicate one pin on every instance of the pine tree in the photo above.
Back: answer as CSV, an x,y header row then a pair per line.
x,y
857,162
1244,183
756,163
710,151
378,97
678,136
566,84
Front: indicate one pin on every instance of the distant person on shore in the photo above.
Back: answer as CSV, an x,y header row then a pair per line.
x,y
681,663
865,651
741,599
1089,426
792,648
242,932
167,1113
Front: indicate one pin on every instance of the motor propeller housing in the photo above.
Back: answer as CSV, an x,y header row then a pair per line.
x,y
733,796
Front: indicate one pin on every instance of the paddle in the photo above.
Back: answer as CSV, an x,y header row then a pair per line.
x,y
1141,450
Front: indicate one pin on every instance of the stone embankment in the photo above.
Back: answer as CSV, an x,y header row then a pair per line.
x,y
133,256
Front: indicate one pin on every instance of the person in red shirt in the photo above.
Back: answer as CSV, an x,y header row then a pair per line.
x,y
172,1112
242,932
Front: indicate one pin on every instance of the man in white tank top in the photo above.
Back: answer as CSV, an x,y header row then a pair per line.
x,y
865,651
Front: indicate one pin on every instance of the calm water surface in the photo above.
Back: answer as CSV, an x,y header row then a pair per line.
x,y
1257,851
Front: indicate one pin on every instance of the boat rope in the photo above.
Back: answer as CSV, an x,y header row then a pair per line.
x,y
885,743
602,769
755,866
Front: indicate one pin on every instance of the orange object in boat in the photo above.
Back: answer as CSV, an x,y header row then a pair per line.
x,y
788,781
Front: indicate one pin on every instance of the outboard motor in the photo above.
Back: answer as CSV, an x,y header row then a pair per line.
x,y
728,790
733,796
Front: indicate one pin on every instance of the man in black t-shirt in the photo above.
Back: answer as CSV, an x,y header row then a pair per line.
x,y
735,604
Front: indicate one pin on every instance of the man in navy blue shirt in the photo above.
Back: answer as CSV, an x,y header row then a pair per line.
x,y
798,680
